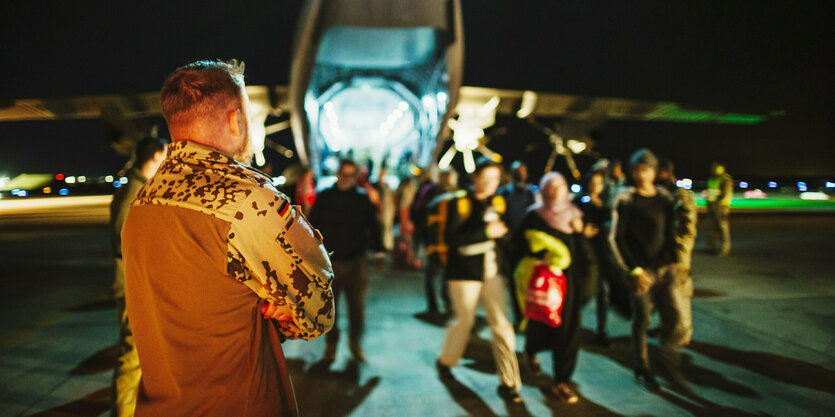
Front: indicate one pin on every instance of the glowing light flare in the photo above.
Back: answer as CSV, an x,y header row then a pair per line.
x,y
576,188
81,179
576,146
403,106
64,191
469,161
47,190
830,185
585,199
281,180
801,186
59,177
108,178
772,184
814,195
69,180
743,184
447,158
123,180
685,183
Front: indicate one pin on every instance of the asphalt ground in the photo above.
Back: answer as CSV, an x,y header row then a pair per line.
x,y
763,343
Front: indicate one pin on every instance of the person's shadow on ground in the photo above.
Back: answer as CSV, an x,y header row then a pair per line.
x,y
322,391
682,397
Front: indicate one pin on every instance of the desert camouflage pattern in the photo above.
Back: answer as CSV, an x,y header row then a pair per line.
x,y
271,248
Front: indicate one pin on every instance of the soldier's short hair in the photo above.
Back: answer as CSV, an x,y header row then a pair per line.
x,y
198,91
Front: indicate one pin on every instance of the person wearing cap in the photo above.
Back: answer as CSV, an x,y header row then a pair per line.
x,y
642,237
719,194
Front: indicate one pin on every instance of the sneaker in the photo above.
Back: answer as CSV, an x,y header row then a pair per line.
x,y
645,378
533,364
330,352
445,372
564,393
509,394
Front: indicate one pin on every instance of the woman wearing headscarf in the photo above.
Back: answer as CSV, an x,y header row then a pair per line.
x,y
548,234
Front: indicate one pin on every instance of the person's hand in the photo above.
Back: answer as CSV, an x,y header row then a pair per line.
x,y
272,311
642,281
590,230
496,229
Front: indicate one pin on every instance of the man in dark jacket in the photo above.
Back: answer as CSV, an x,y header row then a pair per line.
x,y
348,222
643,241
474,224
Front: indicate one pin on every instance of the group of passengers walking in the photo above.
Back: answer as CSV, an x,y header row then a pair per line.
x,y
240,269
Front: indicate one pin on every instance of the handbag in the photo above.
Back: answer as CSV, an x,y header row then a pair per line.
x,y
545,296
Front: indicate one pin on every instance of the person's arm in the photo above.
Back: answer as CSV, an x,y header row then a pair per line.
x,y
275,252
617,236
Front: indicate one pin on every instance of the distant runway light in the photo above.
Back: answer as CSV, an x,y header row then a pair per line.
x,y
772,184
64,191
403,106
69,180
47,190
81,179
830,184
585,199
743,184
59,177
117,184
108,178
801,186
576,188
22,193
123,180
814,195
685,183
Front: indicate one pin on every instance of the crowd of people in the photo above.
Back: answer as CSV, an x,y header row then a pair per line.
x,y
214,264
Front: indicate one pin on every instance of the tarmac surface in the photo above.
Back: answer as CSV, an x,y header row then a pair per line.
x,y
763,345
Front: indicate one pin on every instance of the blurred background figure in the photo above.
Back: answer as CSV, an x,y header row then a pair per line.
x,y
430,217
387,208
685,235
520,195
299,185
406,243
550,234
615,181
601,272
348,222
475,224
149,154
643,240
719,195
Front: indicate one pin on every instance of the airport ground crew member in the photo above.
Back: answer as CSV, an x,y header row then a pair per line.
x,y
719,196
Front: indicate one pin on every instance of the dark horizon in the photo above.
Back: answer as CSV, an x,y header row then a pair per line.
x,y
712,55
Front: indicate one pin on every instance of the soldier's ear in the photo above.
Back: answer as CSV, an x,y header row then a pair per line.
x,y
233,119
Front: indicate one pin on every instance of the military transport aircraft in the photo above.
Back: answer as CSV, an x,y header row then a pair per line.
x,y
381,81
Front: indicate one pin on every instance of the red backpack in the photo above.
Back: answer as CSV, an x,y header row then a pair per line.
x,y
545,296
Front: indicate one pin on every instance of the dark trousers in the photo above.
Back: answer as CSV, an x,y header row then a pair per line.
x,y
665,295
720,228
433,279
563,341
351,278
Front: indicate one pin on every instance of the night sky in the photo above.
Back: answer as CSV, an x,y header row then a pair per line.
x,y
733,56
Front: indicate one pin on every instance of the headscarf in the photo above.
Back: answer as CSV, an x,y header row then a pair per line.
x,y
559,212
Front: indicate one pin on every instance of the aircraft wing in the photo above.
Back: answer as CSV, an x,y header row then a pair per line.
x,y
529,103
124,106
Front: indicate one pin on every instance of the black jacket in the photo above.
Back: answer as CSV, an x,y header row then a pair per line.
x,y
348,222
466,232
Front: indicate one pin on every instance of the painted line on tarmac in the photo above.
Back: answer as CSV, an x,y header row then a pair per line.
x,y
20,334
